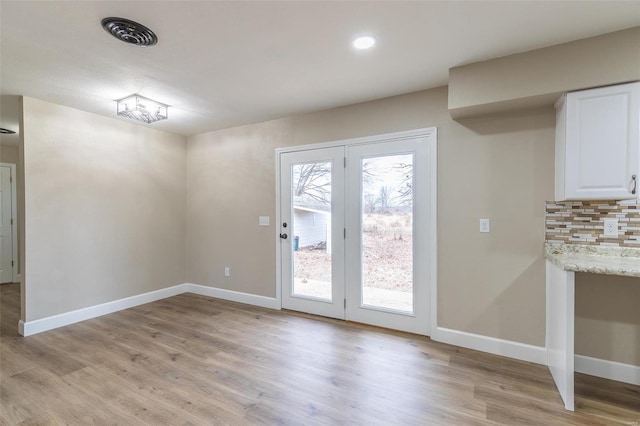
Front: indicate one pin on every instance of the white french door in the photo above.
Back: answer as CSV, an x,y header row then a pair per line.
x,y
357,232
312,231
387,232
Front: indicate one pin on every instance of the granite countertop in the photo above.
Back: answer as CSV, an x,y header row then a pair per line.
x,y
623,261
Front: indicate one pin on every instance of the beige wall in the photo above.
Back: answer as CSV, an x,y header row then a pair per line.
x,y
8,154
607,316
104,209
499,168
538,77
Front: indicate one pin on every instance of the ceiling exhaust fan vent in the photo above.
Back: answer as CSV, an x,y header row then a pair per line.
x,y
129,31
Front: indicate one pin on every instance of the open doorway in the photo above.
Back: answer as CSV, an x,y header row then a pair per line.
x,y
8,224
9,278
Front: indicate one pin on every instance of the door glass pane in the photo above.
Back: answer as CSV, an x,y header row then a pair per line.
x,y
311,220
387,232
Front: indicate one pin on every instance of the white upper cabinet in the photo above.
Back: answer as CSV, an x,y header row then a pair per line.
x,y
598,143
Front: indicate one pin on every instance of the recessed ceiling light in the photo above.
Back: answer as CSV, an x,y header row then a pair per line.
x,y
129,31
364,42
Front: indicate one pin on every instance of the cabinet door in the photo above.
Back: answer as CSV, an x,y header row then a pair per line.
x,y
602,143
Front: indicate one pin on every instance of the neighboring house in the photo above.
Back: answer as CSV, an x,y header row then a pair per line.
x,y
312,223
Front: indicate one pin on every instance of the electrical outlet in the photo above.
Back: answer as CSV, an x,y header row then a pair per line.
x,y
227,271
263,220
611,228
485,225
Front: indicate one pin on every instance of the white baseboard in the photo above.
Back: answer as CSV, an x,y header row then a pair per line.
x,y
492,345
611,370
234,296
617,371
29,328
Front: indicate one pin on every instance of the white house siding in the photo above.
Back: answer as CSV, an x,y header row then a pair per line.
x,y
310,227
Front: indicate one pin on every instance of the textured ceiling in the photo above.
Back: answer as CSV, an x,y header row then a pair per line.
x,y
221,64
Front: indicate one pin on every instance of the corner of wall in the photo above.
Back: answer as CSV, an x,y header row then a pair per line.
x,y
21,214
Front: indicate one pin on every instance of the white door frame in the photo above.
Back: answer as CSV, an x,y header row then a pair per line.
x,y
430,135
14,216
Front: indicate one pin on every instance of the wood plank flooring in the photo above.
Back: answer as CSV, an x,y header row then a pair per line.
x,y
193,360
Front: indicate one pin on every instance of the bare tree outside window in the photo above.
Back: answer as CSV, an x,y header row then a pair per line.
x,y
405,192
312,181
387,232
384,194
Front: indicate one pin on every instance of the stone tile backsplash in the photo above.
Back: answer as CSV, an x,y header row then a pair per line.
x,y
581,222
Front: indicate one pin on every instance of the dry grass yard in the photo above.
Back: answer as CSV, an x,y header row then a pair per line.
x,y
387,263
387,250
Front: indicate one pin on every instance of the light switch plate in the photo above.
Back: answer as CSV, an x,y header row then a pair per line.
x,y
485,225
263,220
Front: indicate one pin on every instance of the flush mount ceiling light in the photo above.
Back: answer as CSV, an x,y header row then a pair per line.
x,y
129,31
4,131
140,108
364,42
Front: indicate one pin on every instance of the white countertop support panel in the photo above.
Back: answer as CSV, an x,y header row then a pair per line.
x,y
560,330
563,261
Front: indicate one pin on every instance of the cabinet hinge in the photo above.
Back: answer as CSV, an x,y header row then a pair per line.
x,y
345,162
10,179
12,263
12,221
344,234
345,303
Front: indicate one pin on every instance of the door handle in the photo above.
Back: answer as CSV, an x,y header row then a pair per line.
x,y
283,236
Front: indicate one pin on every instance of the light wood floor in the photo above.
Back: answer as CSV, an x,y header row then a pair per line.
x,y
193,360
